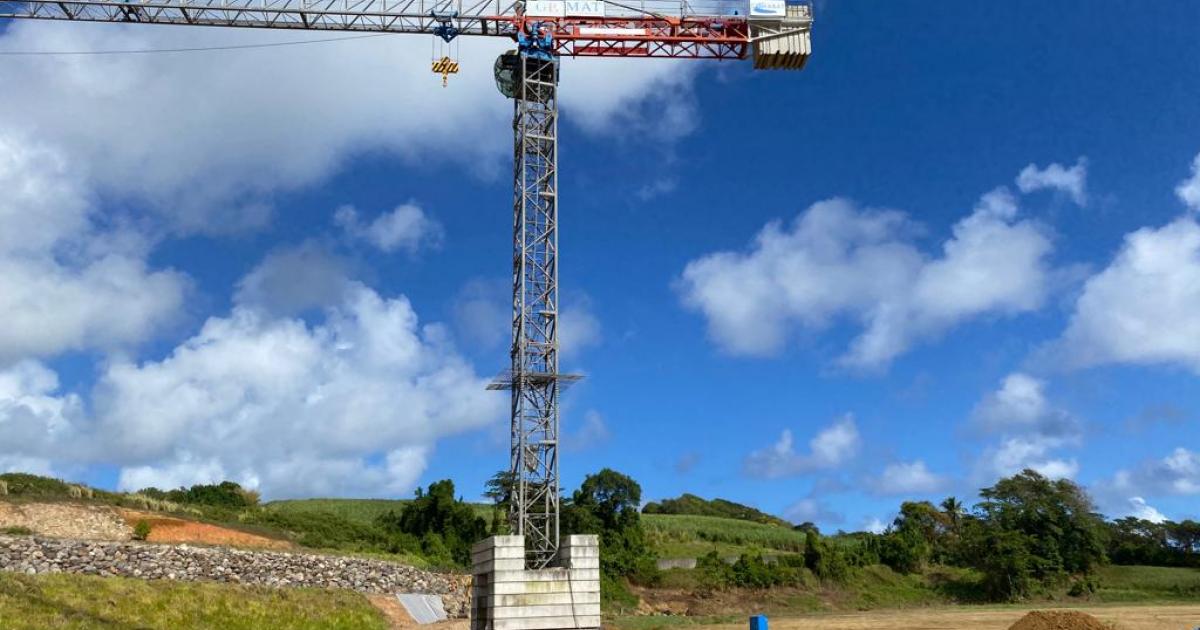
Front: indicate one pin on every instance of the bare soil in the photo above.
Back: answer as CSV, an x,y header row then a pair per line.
x,y
1059,620
1165,617
168,529
66,520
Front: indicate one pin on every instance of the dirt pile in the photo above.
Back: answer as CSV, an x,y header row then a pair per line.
x,y
1059,620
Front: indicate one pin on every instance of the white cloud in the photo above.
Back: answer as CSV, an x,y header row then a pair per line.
x,y
1020,404
593,431
1015,454
276,400
812,511
578,328
37,421
291,280
906,479
874,525
1142,308
1032,430
483,312
65,283
483,316
1177,473
207,142
830,448
1138,508
405,228
1070,181
1189,189
351,406
837,260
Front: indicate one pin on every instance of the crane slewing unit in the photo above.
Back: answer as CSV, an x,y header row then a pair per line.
x,y
775,33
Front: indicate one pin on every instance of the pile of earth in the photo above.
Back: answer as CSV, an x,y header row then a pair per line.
x,y
1059,620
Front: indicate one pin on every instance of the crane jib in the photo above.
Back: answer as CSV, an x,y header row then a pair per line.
x,y
651,28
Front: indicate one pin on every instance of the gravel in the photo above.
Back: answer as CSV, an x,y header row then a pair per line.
x,y
34,555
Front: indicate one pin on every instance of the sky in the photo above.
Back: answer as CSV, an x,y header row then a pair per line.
x,y
964,241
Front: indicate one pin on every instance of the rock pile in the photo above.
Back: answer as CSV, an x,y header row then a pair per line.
x,y
34,555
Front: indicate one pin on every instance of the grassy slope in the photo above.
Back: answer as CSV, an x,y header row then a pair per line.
x,y
76,601
363,511
1148,584
680,536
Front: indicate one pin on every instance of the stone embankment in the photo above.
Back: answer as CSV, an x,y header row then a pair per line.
x,y
33,555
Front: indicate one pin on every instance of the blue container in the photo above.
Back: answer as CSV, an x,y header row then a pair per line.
x,y
758,622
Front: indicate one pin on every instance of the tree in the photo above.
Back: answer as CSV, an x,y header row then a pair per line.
x,y
607,504
446,526
1034,531
500,489
953,509
826,562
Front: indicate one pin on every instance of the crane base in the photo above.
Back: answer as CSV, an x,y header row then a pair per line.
x,y
507,596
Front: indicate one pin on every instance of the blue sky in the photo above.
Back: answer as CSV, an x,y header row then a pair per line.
x,y
961,242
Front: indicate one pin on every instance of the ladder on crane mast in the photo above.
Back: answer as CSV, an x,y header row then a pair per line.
x,y
775,33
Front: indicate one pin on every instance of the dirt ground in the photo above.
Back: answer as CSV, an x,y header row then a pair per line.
x,y
166,529
87,522
1167,617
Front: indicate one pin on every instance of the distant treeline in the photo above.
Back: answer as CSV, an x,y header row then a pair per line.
x,y
693,505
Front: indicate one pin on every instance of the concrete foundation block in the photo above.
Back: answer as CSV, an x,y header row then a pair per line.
x,y
584,563
499,564
498,552
506,596
547,623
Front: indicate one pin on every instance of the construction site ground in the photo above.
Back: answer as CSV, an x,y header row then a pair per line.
x,y
1140,617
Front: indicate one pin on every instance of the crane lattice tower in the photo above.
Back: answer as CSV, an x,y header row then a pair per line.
x,y
775,33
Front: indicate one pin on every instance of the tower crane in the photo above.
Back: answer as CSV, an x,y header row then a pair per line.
x,y
774,33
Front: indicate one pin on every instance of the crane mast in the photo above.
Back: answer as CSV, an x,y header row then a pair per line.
x,y
774,32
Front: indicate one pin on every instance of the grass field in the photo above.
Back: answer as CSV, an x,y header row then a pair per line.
x,y
682,536
77,601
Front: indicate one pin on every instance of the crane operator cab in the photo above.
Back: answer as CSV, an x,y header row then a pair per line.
x,y
536,47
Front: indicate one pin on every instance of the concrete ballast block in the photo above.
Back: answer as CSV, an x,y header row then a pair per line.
x,y
547,623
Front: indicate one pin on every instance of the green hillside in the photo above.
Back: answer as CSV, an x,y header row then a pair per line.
x,y
690,504
361,511
364,511
684,536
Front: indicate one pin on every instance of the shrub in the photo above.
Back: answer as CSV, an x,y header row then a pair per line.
x,y
446,526
16,530
904,550
141,531
34,485
3,487
615,594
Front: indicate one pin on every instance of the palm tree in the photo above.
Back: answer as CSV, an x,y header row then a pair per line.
x,y
954,511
